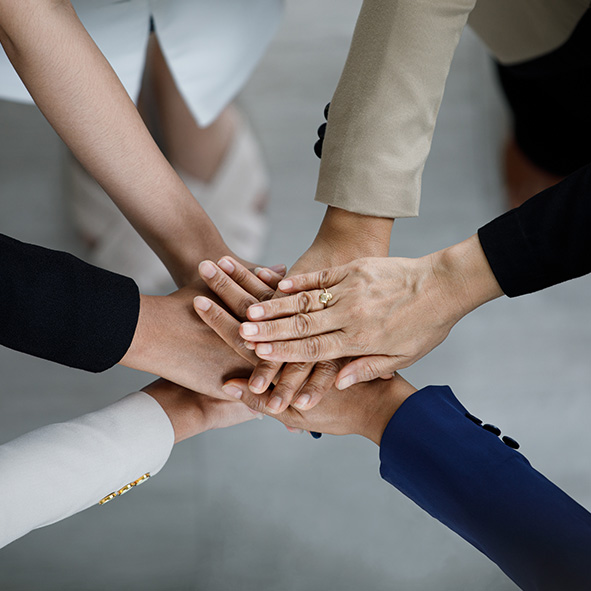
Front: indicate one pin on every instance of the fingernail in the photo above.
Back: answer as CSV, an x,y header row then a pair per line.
x,y
257,385
256,311
274,404
302,401
285,284
295,430
347,381
202,303
257,415
249,345
226,265
264,275
249,329
232,391
207,269
278,269
264,349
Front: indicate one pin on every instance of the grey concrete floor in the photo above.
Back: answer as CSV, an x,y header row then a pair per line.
x,y
255,507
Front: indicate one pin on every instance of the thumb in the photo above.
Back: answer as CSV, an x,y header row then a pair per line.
x,y
366,369
239,390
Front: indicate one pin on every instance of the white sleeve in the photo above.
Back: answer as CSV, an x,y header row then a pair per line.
x,y
59,470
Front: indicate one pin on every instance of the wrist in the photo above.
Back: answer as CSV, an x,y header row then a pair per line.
x,y
183,257
143,344
464,277
178,403
355,234
390,396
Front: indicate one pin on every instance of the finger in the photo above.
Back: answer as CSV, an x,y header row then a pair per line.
x,y
262,376
317,280
269,276
279,269
245,279
299,326
294,430
315,348
365,369
225,325
320,382
238,388
301,303
291,380
237,299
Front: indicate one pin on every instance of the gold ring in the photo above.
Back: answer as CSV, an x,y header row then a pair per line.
x,y
325,297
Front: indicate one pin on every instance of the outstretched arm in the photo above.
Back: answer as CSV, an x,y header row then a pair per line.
x,y
394,311
58,470
80,95
60,308
465,476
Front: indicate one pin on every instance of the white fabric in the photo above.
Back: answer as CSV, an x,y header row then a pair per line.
x,y
211,46
58,470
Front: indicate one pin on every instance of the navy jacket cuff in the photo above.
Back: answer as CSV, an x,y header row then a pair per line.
x,y
488,493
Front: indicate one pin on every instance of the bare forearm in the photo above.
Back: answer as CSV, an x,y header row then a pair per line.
x,y
82,98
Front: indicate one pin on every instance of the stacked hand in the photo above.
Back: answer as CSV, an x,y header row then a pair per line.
x,y
386,312
365,409
343,237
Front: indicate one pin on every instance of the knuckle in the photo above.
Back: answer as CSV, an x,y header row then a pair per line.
x,y
324,278
302,325
244,304
371,369
299,367
316,390
285,389
313,348
219,283
329,367
268,368
304,302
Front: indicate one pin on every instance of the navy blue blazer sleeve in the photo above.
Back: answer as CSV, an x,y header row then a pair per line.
x,y
486,492
545,241
59,308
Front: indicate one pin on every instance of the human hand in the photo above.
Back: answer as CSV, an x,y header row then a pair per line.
x,y
364,409
343,236
171,341
238,288
191,413
388,312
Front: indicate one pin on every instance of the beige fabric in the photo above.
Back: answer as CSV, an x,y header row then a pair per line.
x,y
58,470
519,30
384,109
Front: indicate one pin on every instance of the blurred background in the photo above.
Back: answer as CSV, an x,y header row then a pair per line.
x,y
255,507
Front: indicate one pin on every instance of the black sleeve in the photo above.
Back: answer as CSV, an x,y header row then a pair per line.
x,y
57,307
545,241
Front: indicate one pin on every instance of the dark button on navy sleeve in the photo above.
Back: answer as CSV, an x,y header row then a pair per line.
x,y
510,442
473,418
492,428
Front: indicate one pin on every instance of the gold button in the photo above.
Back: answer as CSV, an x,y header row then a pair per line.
x,y
108,498
126,488
142,479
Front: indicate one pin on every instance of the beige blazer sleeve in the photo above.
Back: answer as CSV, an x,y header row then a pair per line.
x,y
58,470
383,112
384,109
